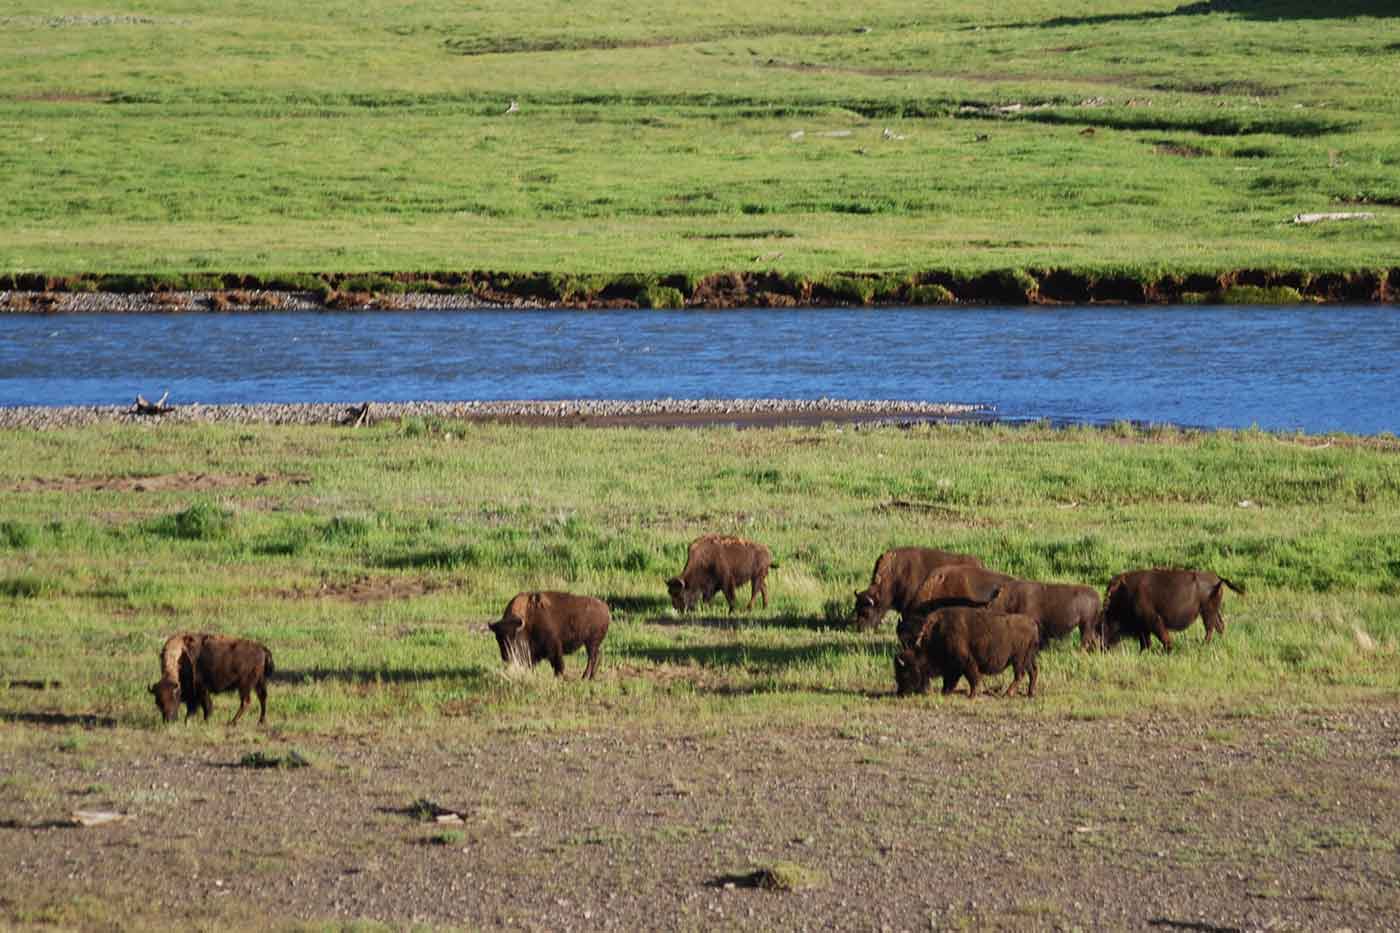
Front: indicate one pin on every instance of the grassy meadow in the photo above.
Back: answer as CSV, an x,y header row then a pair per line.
x,y
369,561
1114,137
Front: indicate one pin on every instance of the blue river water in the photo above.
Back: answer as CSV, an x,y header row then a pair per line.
x,y
1312,369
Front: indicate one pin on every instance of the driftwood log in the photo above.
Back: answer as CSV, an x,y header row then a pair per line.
x,y
355,417
144,407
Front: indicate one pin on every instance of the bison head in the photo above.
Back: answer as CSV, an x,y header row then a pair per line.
x,y
1109,632
683,598
911,673
510,638
869,614
167,694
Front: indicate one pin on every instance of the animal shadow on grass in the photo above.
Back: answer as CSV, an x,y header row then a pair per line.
x,y
739,620
1195,925
637,605
756,659
472,676
86,720
1267,10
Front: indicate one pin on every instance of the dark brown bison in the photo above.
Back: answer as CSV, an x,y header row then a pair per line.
x,y
193,666
897,577
721,563
961,641
547,626
1058,608
1157,602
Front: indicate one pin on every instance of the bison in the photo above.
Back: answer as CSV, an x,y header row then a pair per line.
x,y
1157,602
1058,608
896,579
539,626
721,563
961,641
195,665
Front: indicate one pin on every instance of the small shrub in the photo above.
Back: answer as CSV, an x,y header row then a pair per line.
x,y
18,535
203,521
851,289
449,837
661,297
25,587
292,759
1260,295
930,295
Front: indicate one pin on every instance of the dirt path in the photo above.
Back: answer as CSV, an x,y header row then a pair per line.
x,y
928,815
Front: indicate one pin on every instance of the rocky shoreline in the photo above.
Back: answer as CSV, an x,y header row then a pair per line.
x,y
576,412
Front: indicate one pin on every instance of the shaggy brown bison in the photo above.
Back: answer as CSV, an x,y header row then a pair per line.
x,y
1157,602
540,626
961,641
195,665
1058,608
896,579
721,563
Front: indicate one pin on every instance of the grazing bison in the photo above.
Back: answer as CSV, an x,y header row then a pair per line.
x,y
896,579
195,665
721,563
961,641
1058,608
539,626
1157,602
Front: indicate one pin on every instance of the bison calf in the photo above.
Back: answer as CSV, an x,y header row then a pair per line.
x,y
1157,602
721,563
540,626
193,666
964,642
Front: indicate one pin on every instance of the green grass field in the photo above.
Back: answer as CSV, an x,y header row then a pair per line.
x,y
186,136
370,560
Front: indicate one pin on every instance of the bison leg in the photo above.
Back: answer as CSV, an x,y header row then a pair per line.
x,y
1035,672
758,586
1214,621
1159,628
950,681
245,696
207,702
594,651
262,702
973,677
1019,668
731,597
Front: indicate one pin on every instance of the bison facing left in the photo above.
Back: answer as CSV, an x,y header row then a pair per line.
x,y
721,564
195,665
962,641
547,626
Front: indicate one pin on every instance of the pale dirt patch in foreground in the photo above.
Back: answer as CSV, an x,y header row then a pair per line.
x,y
913,815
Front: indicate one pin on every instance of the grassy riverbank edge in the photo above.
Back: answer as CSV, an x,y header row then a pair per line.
x,y
24,292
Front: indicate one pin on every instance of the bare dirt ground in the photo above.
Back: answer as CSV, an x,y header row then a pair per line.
x,y
919,815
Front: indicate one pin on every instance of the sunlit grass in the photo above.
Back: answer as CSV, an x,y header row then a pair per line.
x,y
373,582
195,136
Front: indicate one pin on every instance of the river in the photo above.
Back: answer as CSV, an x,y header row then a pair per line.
x,y
1312,369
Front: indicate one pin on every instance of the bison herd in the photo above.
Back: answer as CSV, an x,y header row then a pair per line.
x,y
958,619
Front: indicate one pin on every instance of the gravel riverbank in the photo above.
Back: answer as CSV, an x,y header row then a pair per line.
x,y
582,412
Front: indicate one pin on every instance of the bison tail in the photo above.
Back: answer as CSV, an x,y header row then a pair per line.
x,y
1237,587
268,667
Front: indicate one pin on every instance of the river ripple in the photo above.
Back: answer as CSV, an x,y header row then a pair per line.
x,y
1314,369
